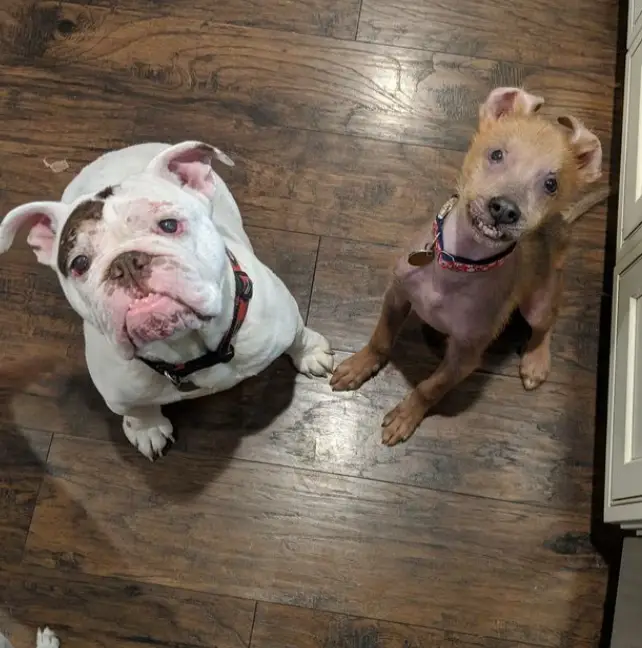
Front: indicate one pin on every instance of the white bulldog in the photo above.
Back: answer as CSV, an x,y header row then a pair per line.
x,y
150,250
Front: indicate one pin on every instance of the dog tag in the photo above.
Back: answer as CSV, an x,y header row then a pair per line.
x,y
420,258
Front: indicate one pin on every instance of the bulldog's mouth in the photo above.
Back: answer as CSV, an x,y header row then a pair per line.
x,y
157,317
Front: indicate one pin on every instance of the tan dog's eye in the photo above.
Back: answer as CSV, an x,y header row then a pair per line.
x,y
80,264
550,185
496,155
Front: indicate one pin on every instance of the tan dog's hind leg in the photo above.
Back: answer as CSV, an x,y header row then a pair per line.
x,y
458,363
361,366
540,311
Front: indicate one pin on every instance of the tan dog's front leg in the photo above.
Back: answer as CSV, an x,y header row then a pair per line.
x,y
458,363
540,311
356,369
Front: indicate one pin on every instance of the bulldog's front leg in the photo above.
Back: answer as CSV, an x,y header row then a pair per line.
x,y
46,639
147,429
311,352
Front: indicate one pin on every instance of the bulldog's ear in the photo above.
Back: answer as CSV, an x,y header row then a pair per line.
x,y
43,219
502,102
586,146
189,163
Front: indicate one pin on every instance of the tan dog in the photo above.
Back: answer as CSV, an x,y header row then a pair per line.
x,y
500,243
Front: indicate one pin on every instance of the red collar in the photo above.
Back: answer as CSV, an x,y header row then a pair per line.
x,y
176,373
450,261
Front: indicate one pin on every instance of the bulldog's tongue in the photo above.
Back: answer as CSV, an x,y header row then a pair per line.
x,y
156,317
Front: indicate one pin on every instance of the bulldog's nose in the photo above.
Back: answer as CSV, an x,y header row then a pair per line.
x,y
128,265
503,210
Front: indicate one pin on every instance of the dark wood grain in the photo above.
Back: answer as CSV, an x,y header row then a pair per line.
x,y
478,442
282,626
334,543
53,119
333,18
23,453
93,613
539,32
351,278
318,182
273,78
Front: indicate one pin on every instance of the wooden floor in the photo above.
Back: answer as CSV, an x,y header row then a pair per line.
x,y
278,520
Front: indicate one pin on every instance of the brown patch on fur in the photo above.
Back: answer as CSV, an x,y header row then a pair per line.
x,y
105,193
91,210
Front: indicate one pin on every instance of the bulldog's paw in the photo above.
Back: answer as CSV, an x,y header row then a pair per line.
x,y
311,354
47,639
150,434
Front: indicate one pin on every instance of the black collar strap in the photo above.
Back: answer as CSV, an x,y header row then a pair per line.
x,y
457,263
176,373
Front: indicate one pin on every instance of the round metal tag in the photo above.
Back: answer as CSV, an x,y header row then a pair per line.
x,y
420,258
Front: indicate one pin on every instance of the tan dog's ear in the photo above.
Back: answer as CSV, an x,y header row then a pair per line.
x,y
502,102
587,149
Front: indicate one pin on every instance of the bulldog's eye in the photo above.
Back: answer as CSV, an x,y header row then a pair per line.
x,y
169,225
496,155
80,264
550,185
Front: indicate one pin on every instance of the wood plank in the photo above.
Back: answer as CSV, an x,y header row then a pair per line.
x,y
283,626
23,453
333,543
332,18
318,182
347,310
39,116
581,34
92,613
478,442
307,82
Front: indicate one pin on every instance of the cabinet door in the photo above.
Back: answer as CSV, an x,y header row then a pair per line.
x,y
635,20
630,217
625,391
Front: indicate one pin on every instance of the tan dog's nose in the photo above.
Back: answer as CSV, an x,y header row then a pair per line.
x,y
128,265
503,210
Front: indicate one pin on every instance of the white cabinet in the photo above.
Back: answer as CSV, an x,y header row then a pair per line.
x,y
623,499
625,410
635,20
630,211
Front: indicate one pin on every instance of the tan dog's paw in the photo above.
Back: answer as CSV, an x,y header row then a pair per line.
x,y
400,423
535,367
355,370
